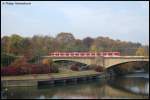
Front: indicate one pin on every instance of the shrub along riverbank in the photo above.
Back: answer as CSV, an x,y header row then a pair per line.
x,y
21,67
28,69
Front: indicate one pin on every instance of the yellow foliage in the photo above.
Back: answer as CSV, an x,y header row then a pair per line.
x,y
93,48
47,61
141,52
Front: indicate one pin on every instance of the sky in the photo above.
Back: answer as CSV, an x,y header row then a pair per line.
x,y
123,20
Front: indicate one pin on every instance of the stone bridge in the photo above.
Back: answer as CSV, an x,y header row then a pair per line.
x,y
102,61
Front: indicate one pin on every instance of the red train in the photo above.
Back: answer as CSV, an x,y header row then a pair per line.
x,y
83,54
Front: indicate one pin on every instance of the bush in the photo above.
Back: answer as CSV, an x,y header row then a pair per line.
x,y
98,69
19,62
95,67
54,68
26,68
74,68
50,65
7,59
9,71
91,67
35,69
47,62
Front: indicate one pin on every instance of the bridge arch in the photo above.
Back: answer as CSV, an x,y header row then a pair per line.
x,y
121,69
70,61
78,60
125,63
114,62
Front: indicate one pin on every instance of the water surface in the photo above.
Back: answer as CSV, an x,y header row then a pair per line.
x,y
120,87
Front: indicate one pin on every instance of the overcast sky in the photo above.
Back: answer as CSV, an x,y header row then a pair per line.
x,y
124,20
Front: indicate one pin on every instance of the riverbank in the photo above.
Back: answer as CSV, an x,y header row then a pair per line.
x,y
32,80
138,75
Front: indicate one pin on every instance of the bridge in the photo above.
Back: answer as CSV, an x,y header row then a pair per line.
x,y
105,59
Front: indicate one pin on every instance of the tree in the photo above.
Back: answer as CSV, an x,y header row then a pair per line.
x,y
27,48
15,44
65,37
141,52
87,42
38,46
47,62
7,59
93,48
19,62
146,48
5,44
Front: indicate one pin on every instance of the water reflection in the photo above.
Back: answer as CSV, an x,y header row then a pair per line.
x,y
131,84
114,88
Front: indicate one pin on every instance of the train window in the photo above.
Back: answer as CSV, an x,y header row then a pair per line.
x,y
93,53
116,53
82,54
87,54
109,53
98,54
104,53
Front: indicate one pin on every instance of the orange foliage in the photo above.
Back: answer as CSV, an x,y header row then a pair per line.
x,y
47,62
19,62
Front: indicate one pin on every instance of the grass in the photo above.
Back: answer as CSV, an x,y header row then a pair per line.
x,y
69,73
62,73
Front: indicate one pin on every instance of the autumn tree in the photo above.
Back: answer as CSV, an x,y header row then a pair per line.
x,y
47,62
87,42
15,44
141,52
65,37
7,59
5,44
65,41
37,46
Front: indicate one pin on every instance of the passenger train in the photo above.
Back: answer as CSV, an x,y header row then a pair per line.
x,y
83,54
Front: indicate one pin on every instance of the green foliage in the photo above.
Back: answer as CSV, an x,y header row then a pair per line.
x,y
34,60
55,68
7,59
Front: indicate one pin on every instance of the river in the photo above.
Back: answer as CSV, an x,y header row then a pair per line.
x,y
120,87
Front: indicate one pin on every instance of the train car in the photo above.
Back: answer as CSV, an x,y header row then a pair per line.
x,y
84,54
